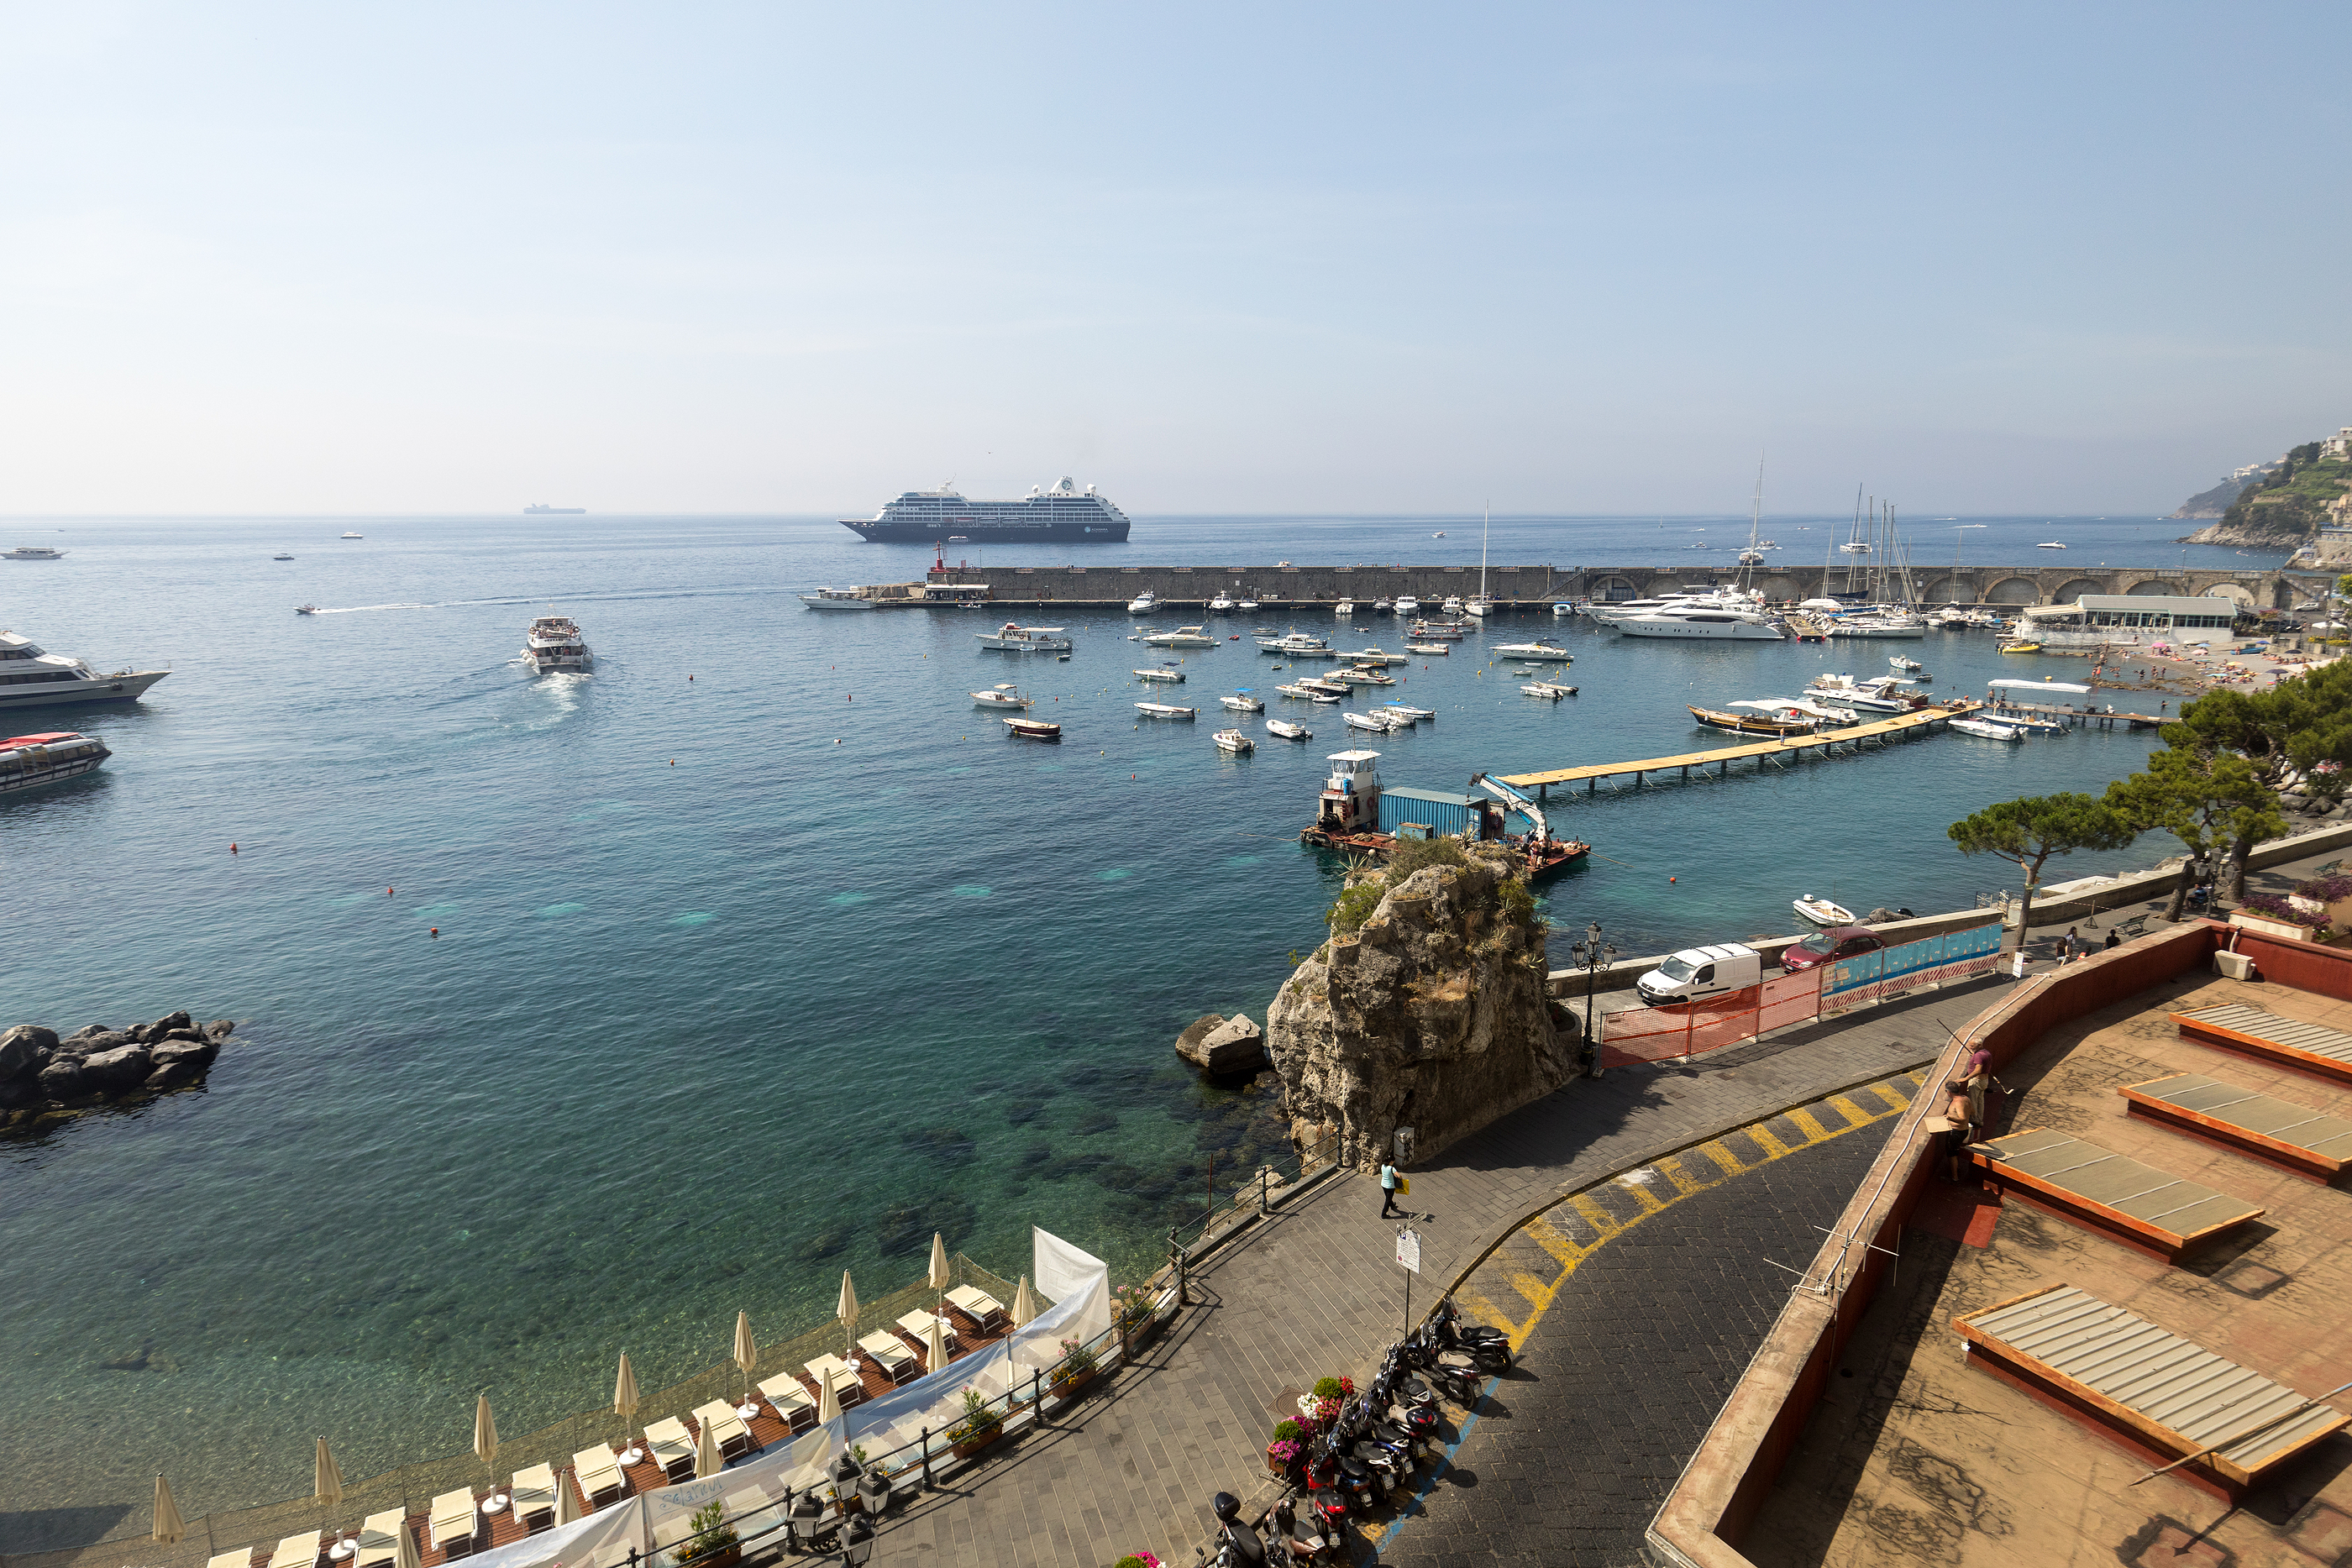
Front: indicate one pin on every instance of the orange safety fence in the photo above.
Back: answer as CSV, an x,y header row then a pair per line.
x,y
1690,1029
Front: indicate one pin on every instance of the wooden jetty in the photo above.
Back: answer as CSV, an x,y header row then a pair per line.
x,y
1768,754
2085,718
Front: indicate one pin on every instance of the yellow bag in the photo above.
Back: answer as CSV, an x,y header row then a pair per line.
x,y
1405,1187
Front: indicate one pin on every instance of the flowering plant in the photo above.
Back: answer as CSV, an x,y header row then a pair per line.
x,y
1282,1453
2270,907
2325,889
1137,1560
1132,1303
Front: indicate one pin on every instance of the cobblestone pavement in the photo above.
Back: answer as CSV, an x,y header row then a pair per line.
x,y
1638,1305
1315,1292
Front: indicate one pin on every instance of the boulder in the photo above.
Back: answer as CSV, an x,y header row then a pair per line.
x,y
90,1030
174,1073
195,1035
196,1054
88,1044
112,1072
1234,1046
1430,1015
23,1049
220,1029
62,1080
18,1091
165,1025
1188,1044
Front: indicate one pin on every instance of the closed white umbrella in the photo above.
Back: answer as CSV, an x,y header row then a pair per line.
x,y
706,1450
846,1311
1024,1305
485,1436
624,1399
567,1500
404,1553
169,1526
935,1344
327,1485
939,1277
747,1354
828,1403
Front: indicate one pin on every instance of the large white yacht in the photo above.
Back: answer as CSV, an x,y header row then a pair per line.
x,y
27,761
1143,603
31,678
1701,618
1182,637
555,643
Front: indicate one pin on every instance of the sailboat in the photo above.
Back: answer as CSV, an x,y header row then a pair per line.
x,y
1482,606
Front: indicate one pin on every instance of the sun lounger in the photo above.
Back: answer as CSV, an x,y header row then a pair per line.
x,y
846,1389
233,1560
2110,1192
534,1494
673,1448
297,1552
897,1364
980,1306
917,1326
733,1438
793,1406
598,1471
455,1522
379,1539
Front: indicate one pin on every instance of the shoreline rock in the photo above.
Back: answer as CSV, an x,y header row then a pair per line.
x,y
42,1073
1222,1047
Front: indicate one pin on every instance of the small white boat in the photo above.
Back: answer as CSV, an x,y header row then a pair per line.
x,y
837,598
1175,677
1222,603
1246,603
999,697
1546,690
1406,604
1233,741
1535,653
2049,544
1383,606
1182,637
1014,638
281,558
1143,603
1287,730
1034,730
1897,660
1296,689
1374,722
354,534
1297,645
1440,649
1822,912
1453,605
1165,710
1345,607
1242,702
1564,609
1438,534
306,610
1989,729
1414,714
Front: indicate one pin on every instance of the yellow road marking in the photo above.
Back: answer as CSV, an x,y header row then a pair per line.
x,y
1773,1147
1684,1183
1720,1152
1650,1201
1545,1235
1813,1129
1538,1293
1595,1216
1855,1114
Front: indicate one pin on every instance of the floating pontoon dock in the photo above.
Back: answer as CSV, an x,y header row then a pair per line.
x,y
1771,753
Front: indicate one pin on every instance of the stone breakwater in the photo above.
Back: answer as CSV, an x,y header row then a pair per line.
x,y
42,1073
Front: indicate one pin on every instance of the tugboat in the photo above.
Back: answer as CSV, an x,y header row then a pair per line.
x,y
555,644
29,761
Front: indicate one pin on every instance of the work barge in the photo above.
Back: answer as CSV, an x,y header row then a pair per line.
x,y
1771,754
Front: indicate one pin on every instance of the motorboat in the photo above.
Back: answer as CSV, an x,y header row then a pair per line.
x,y
281,558
1175,677
1822,912
1563,609
1439,649
33,552
2021,647
1330,685
1549,691
1298,689
1534,653
1438,534
1414,714
1453,605
1881,625
1233,742
1698,619
1242,702
1032,730
1246,603
1880,694
1345,607
1406,604
2049,544
1223,602
999,696
1143,603
306,610
1383,606
1439,631
1287,730
1182,637
1362,676
554,645
354,534
1375,656
837,599
1297,645
31,678
1766,715
1165,710
1014,638
1897,662
1376,723
1990,728
29,761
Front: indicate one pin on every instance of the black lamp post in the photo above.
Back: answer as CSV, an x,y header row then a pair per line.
x,y
1590,954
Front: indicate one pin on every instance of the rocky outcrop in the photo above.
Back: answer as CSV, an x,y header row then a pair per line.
x,y
1223,1046
1426,1012
41,1074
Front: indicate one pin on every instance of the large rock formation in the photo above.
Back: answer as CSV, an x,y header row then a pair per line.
x,y
1427,1012
41,1075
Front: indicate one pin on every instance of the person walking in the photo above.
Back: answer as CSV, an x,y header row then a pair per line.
x,y
1389,1209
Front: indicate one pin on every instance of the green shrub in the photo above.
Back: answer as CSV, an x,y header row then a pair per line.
x,y
1285,1431
1327,1388
711,1533
1412,855
1355,906
1519,904
978,1419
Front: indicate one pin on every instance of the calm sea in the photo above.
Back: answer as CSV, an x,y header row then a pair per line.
x,y
762,953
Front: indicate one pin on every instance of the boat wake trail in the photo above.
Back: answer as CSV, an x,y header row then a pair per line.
x,y
359,609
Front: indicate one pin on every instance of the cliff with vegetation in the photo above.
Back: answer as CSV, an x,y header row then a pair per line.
x,y
1426,1009
2284,508
2212,503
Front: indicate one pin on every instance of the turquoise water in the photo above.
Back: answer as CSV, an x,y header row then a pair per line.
x,y
741,979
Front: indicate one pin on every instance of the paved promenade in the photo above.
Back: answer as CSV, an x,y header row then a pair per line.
x,y
1316,1292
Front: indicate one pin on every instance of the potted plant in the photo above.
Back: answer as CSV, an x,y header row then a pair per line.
x,y
980,1425
1289,1442
1131,1309
1137,1560
1074,1371
713,1543
2268,915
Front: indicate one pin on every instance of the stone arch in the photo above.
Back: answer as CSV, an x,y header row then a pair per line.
x,y
2235,592
2150,587
2074,589
1610,589
2014,590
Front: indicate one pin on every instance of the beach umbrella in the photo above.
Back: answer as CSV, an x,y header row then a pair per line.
x,y
706,1450
828,1401
747,1354
940,1278
935,1344
486,1435
404,1553
1024,1305
169,1526
846,1310
625,1393
567,1500
327,1485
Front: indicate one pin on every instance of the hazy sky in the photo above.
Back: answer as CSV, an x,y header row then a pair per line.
x,y
699,257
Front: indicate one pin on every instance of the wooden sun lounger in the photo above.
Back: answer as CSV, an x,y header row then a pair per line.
x,y
898,1364
846,1389
2151,1385
979,1306
379,1539
2249,1031
598,1471
673,1448
297,1552
2136,1204
793,1406
732,1436
534,1494
455,1522
2309,1143
917,1326
232,1559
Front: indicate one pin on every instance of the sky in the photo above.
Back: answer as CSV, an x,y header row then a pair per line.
x,y
1560,258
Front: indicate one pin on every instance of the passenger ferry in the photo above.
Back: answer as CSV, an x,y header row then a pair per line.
x,y
31,678
35,552
29,761
555,643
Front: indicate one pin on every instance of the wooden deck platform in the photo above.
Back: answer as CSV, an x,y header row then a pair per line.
x,y
2279,1131
1771,753
2308,1047
2135,1204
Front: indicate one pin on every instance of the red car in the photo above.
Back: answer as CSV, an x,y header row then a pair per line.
x,y
1827,946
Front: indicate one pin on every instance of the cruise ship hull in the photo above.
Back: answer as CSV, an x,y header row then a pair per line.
x,y
876,530
123,688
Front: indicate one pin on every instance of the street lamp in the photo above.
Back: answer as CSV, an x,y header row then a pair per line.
x,y
1589,954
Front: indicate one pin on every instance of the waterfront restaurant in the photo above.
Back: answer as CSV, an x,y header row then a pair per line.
x,y
2127,618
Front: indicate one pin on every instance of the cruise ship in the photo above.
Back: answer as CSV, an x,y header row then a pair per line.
x,y
1062,513
31,678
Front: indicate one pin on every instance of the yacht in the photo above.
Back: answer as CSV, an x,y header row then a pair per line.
x,y
1406,604
1345,607
37,552
354,534
1014,638
1535,653
1881,693
1143,603
553,644
29,761
837,599
2049,544
1182,637
1879,624
1297,645
281,558
1438,649
1173,677
1223,602
1698,618
31,678
1003,695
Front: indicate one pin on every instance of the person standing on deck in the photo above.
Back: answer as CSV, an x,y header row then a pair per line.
x,y
1389,1209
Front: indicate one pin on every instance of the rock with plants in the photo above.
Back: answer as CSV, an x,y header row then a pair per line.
x,y
1424,1010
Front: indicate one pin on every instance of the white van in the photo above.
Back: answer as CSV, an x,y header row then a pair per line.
x,y
1695,974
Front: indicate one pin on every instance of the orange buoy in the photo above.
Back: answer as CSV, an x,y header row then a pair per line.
x,y
1674,879
387,892
232,848
435,932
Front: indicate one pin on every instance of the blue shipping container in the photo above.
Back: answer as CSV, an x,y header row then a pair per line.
x,y
1441,813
